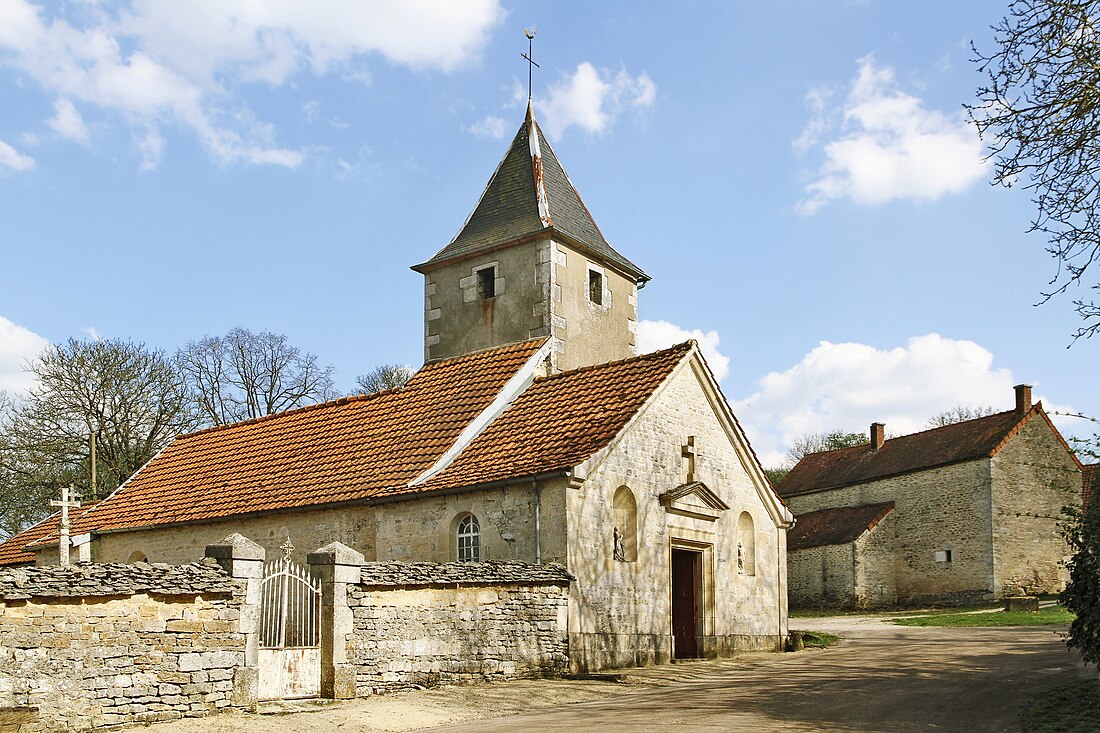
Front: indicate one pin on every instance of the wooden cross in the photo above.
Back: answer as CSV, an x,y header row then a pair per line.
x,y
688,452
530,33
68,501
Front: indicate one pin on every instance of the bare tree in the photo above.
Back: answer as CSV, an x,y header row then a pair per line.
x,y
386,376
1039,111
959,413
131,397
809,443
244,375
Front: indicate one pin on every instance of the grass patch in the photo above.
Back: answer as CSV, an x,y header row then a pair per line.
x,y
1072,708
1045,616
828,613
818,639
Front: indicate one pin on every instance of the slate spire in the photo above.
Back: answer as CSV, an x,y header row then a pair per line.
x,y
530,195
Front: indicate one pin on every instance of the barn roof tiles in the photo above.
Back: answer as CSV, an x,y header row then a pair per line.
x,y
835,526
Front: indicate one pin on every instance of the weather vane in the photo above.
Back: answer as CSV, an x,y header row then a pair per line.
x,y
530,33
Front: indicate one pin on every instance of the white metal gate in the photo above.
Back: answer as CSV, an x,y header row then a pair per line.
x,y
290,631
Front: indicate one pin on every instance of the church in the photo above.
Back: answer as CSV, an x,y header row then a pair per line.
x,y
534,432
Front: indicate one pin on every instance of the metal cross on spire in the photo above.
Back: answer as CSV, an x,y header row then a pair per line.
x,y
69,500
530,33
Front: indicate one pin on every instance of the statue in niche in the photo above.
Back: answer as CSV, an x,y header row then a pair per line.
x,y
620,548
740,558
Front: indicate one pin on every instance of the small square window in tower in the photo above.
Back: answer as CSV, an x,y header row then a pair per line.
x,y
595,287
487,283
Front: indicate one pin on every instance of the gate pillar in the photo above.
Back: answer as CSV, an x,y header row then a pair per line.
x,y
243,560
337,566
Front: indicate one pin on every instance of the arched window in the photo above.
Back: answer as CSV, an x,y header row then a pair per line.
x,y
137,556
625,532
746,545
468,539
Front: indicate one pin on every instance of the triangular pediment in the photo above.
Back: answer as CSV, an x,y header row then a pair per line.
x,y
693,500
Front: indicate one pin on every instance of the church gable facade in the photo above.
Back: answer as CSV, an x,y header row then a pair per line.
x,y
533,433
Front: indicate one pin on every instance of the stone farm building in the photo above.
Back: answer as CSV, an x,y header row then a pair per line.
x,y
967,511
533,432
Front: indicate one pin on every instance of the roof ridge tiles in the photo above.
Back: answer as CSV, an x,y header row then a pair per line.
x,y
345,400
512,345
685,346
863,446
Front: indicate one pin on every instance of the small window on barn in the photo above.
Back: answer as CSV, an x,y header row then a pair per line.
x,y
944,555
468,539
624,534
746,545
487,283
137,556
595,287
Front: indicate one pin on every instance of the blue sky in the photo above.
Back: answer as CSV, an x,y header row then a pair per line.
x,y
797,177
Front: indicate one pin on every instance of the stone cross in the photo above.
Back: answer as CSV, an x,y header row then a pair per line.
x,y
68,500
688,451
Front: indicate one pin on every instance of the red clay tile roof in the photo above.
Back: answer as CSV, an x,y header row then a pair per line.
x,y
11,549
346,450
560,421
835,526
963,441
1089,476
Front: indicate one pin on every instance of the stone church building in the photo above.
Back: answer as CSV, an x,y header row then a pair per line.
x,y
534,432
963,512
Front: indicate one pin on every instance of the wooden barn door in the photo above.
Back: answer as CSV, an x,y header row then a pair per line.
x,y
685,603
290,632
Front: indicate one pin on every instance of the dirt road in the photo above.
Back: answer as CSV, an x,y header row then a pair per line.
x,y
880,678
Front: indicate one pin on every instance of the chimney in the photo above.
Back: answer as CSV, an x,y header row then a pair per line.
x,y
1023,398
878,435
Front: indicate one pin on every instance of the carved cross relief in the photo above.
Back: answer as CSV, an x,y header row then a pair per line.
x,y
689,454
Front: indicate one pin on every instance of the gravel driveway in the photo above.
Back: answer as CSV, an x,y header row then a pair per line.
x,y
881,677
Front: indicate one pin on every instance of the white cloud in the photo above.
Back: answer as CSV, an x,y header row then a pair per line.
x,y
17,345
13,159
592,99
654,335
491,126
155,63
92,333
887,145
67,121
850,385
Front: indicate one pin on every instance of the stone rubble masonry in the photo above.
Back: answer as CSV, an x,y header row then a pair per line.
x,y
423,624
90,646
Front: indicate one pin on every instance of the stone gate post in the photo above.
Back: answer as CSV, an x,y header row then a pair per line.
x,y
243,559
338,566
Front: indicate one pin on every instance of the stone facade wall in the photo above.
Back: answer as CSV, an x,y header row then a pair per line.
x,y
940,509
418,530
822,577
620,612
80,662
875,572
1034,477
426,635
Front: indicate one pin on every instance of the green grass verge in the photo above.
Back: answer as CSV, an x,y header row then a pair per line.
x,y
1072,708
818,639
1045,616
828,613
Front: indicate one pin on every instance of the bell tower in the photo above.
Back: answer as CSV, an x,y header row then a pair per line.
x,y
531,262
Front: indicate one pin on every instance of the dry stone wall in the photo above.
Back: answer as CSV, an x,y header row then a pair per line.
x,y
422,623
98,645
